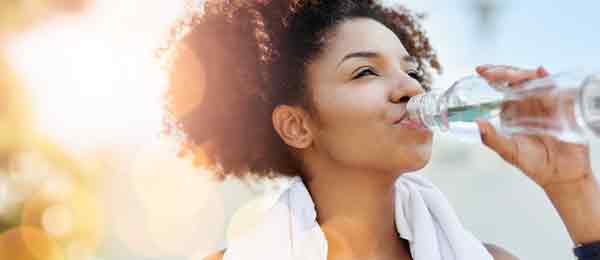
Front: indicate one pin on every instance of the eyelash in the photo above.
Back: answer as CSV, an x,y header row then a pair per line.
x,y
413,74
361,73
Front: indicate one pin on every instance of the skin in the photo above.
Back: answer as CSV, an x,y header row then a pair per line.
x,y
563,170
353,152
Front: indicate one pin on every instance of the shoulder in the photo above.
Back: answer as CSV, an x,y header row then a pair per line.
x,y
499,253
215,255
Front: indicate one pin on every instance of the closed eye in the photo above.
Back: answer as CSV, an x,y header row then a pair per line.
x,y
417,75
365,72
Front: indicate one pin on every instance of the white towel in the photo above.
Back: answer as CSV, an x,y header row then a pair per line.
x,y
425,218
289,230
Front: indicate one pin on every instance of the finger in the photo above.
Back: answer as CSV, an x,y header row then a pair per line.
x,y
485,67
542,72
481,68
514,76
502,145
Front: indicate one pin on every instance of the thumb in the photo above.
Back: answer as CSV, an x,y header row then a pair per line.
x,y
502,145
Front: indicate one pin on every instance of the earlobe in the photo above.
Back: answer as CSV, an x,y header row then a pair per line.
x,y
291,125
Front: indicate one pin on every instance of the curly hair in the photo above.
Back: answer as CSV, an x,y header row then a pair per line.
x,y
232,62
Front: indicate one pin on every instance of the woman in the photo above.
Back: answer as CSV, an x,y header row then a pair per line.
x,y
318,90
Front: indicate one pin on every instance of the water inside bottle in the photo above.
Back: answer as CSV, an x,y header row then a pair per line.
x,y
460,120
470,113
565,106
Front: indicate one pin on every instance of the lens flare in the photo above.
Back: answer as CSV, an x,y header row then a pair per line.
x,y
29,243
76,218
57,220
173,208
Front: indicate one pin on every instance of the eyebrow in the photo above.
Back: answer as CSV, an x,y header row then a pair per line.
x,y
370,55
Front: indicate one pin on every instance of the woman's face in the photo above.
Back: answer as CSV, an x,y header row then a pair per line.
x,y
360,85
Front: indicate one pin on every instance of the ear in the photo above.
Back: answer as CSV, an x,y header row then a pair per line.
x,y
292,125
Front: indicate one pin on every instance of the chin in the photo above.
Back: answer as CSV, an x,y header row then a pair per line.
x,y
417,160
421,164
420,157
424,137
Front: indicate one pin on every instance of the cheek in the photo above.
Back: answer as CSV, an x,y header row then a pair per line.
x,y
351,123
354,130
352,144
373,148
347,107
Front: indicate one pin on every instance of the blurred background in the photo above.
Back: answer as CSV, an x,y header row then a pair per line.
x,y
86,175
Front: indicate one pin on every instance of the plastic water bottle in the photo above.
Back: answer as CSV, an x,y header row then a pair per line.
x,y
565,105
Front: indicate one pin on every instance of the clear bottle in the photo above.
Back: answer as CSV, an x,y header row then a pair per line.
x,y
565,105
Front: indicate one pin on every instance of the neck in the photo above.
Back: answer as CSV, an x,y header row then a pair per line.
x,y
356,211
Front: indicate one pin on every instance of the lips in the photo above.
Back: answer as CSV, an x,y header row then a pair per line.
x,y
405,122
403,117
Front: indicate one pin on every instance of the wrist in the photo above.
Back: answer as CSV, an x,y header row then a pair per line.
x,y
579,208
576,187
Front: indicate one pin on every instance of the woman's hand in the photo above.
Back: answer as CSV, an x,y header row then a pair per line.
x,y
546,160
562,169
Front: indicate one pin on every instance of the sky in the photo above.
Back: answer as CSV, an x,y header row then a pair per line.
x,y
562,35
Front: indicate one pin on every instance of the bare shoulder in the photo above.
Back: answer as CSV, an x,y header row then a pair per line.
x,y
499,253
216,255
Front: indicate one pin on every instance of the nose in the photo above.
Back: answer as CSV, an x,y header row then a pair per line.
x,y
404,90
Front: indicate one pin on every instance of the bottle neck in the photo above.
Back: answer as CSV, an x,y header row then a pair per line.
x,y
425,110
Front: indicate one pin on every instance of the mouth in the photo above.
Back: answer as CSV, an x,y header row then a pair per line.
x,y
406,122
402,118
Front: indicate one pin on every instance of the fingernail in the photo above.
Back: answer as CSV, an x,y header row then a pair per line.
x,y
482,68
541,71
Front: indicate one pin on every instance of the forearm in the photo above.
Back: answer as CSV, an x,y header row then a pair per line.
x,y
578,204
